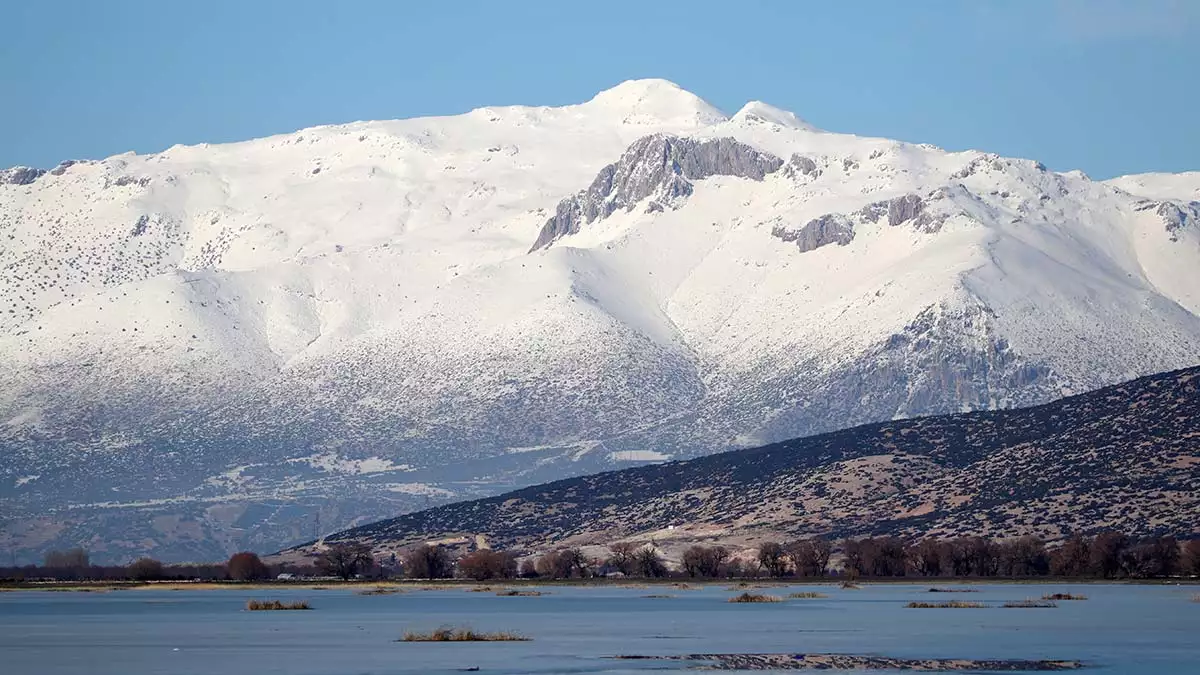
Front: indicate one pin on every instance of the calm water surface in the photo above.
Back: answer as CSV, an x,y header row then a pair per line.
x,y
1120,630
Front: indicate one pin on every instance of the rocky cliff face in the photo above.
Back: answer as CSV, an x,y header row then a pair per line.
x,y
659,168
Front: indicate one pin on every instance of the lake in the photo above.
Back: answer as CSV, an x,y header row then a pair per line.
x,y
1119,629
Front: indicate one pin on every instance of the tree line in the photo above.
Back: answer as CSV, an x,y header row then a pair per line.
x,y
1108,555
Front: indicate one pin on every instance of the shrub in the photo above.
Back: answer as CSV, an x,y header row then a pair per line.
x,y
270,605
448,634
755,597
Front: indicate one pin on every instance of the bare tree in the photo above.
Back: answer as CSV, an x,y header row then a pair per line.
x,y
926,557
486,564
772,558
428,562
1191,557
1072,558
1108,549
563,564
145,569
704,561
649,563
809,557
528,569
622,558
245,566
345,559
1022,557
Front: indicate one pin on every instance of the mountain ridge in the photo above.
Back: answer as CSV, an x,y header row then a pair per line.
x,y
241,346
1132,451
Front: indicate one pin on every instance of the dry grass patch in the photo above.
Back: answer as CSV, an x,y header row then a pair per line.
x,y
755,597
1030,604
806,595
450,634
685,587
953,604
1063,596
273,605
379,591
850,585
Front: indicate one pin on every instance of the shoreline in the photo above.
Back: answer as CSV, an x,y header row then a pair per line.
x,y
451,584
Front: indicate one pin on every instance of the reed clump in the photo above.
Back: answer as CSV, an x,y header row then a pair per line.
x,y
755,597
451,634
1063,596
379,591
275,605
1031,604
519,594
806,595
953,604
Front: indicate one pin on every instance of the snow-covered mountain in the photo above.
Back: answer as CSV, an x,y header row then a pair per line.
x,y
222,346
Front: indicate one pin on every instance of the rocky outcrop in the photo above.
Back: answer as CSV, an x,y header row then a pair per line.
x,y
1176,215
20,175
831,228
799,165
658,166
903,209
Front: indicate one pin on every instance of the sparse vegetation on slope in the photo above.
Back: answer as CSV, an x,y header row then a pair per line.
x,y
1009,473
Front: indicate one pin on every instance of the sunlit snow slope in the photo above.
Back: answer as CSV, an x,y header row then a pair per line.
x,y
246,345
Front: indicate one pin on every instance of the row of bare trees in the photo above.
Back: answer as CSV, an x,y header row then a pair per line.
x,y
1107,555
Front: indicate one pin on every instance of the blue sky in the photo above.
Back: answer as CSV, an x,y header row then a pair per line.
x,y
1107,86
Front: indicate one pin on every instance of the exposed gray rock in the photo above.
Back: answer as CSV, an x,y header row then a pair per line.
x,y
1178,215
122,181
831,228
63,166
904,208
20,175
804,166
871,213
658,165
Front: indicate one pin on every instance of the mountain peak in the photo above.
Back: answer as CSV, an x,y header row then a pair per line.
x,y
659,99
757,112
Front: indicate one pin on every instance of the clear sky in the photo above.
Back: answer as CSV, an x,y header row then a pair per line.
x,y
1107,86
